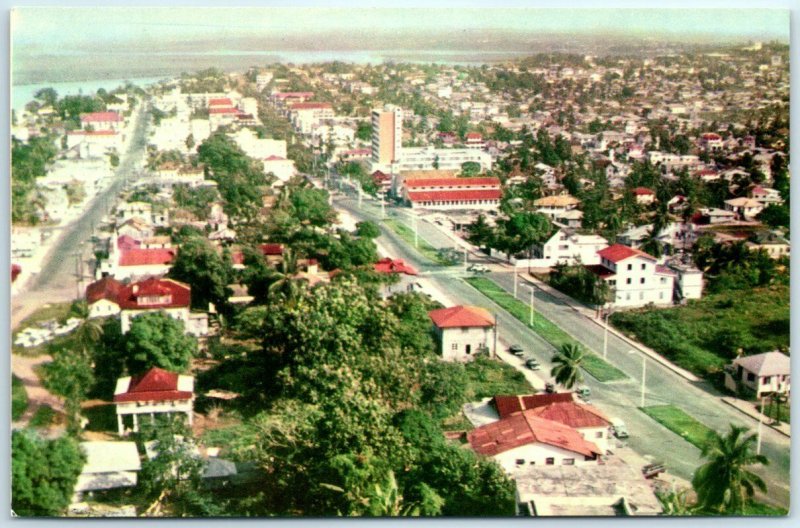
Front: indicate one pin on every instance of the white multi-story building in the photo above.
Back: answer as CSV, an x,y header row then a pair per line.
x,y
634,276
155,392
430,158
387,136
305,116
568,247
463,331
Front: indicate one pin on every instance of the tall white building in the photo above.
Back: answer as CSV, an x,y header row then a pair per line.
x,y
387,135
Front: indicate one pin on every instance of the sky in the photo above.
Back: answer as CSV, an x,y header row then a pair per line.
x,y
39,29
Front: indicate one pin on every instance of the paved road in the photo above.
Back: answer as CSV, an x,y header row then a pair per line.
x,y
56,282
618,399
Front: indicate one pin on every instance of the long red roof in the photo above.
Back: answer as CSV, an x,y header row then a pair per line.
x,y
620,252
388,265
155,385
311,106
451,182
106,288
455,195
179,295
101,117
286,95
461,316
223,110
223,101
146,257
526,428
508,405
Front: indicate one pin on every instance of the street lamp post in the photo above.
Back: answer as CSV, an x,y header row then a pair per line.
x,y
416,236
515,280
644,376
533,296
760,421
605,336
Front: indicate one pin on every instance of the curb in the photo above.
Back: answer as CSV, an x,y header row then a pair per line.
x,y
754,416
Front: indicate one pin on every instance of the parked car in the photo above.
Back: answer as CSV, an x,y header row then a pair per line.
x,y
653,470
619,428
549,387
584,393
533,364
478,268
516,350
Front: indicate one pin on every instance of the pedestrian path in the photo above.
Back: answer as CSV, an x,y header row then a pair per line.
x,y
749,409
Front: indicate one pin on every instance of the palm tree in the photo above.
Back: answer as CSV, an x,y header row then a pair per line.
x,y
676,503
567,369
723,484
90,330
283,281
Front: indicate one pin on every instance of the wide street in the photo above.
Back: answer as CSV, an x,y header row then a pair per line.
x,y
58,278
618,399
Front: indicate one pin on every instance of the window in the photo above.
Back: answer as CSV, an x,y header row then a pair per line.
x,y
628,280
641,281
520,461
563,246
568,462
661,295
454,346
628,296
630,267
751,376
641,296
533,462
598,434
550,461
644,267
663,280
766,379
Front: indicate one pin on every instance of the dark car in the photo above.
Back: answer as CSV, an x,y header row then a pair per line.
x,y
533,364
549,387
516,350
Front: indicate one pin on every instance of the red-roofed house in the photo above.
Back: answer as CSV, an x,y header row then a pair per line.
x,y
634,276
102,297
101,121
463,331
711,141
396,266
453,193
644,196
524,439
561,407
155,392
474,141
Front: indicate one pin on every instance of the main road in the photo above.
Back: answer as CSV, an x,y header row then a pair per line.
x,y
65,265
619,399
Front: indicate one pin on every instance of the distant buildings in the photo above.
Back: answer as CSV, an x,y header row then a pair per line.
x,y
387,136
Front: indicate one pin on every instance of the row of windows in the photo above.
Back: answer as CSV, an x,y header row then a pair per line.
x,y
459,202
641,296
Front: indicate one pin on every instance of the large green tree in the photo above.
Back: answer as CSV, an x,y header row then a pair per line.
x,y
724,484
157,340
200,266
43,473
567,365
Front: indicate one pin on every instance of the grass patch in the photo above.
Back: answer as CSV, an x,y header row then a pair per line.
x,y
102,418
596,366
43,417
758,508
423,247
19,398
680,423
487,377
705,334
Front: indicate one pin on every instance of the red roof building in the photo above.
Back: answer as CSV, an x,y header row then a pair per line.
x,y
453,193
620,252
155,385
524,429
508,405
310,106
101,117
451,183
157,391
147,257
387,265
643,191
154,293
461,317
107,288
222,101
16,269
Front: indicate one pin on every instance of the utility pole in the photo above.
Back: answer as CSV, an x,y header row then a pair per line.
x,y
494,349
644,373
515,280
416,236
465,258
760,421
533,296
605,337
383,204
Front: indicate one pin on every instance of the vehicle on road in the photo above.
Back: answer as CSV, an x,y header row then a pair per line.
x,y
478,268
533,364
653,470
619,428
549,387
516,350
584,393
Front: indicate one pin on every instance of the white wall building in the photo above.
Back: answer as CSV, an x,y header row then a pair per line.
x,y
634,276
463,331
568,247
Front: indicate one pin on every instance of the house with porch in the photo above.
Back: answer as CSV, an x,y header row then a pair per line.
x,y
463,331
763,374
157,391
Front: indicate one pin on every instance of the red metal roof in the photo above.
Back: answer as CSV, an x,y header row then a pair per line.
x,y
663,270
92,133
105,288
572,414
620,252
526,428
126,242
16,269
388,265
175,294
286,95
146,257
461,316
223,111
223,101
642,191
474,135
441,196
101,117
712,136
155,385
271,249
451,182
508,405
274,158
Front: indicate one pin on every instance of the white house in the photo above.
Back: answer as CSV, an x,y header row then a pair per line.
x,y
688,280
523,440
282,168
634,276
568,247
746,208
553,206
155,392
764,374
463,331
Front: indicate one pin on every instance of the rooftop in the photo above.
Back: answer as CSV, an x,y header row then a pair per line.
x,y
461,317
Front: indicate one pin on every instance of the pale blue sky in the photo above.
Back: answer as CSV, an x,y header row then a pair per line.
x,y
56,28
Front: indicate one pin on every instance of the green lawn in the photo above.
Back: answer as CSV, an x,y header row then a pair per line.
x,y
705,334
596,366
19,398
423,247
680,423
43,417
758,508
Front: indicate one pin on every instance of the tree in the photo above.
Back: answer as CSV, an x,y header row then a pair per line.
x,y
43,473
367,229
567,365
310,206
521,230
364,131
470,168
157,340
70,376
724,484
775,216
199,265
481,233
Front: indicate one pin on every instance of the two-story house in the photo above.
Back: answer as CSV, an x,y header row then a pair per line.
x,y
568,247
634,276
463,331
764,374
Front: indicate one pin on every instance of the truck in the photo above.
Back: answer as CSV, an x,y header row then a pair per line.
x,y
619,428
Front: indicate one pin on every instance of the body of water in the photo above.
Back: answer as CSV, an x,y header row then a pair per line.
x,y
22,94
